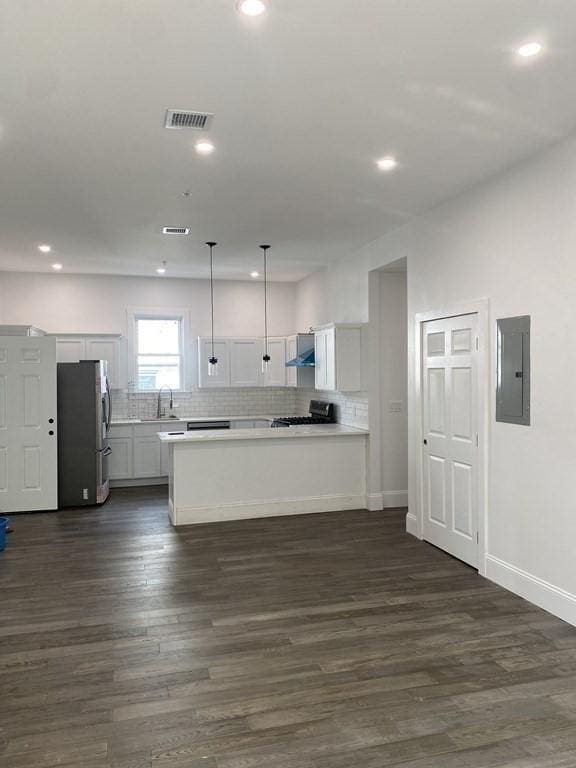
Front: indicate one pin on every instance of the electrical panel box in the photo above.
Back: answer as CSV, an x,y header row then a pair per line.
x,y
513,371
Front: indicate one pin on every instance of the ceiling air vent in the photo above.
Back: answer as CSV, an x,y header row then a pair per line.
x,y
175,230
185,118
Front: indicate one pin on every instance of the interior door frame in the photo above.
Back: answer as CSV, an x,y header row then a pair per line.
x,y
479,307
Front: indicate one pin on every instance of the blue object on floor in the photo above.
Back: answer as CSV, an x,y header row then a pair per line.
x,y
3,526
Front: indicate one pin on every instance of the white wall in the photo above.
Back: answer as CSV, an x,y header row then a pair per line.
x,y
393,386
97,304
513,241
337,294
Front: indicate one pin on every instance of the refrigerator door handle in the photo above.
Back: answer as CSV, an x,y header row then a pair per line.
x,y
109,408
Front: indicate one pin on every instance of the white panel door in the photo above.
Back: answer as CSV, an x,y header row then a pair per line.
x,y
276,376
222,353
70,350
450,429
246,362
28,412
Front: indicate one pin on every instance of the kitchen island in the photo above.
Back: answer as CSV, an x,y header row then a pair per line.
x,y
237,473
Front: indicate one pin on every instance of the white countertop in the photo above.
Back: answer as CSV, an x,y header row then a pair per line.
x,y
181,419
282,433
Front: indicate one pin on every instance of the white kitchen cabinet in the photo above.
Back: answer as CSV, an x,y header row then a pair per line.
x,y
246,362
70,348
338,351
137,452
240,362
276,376
106,348
120,461
147,456
222,352
324,373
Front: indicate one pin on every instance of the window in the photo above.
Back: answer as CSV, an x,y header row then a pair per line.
x,y
159,353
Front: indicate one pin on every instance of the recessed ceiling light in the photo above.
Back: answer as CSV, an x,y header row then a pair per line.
x,y
175,230
254,274
57,267
45,248
387,163
529,49
204,147
252,7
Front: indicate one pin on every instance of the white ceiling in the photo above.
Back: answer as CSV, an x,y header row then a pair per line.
x,y
306,99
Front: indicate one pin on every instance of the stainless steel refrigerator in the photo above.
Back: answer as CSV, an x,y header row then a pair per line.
x,y
84,414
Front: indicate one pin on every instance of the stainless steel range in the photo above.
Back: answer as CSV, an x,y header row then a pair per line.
x,y
320,412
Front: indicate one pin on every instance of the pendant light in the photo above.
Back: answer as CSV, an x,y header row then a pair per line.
x,y
213,361
266,356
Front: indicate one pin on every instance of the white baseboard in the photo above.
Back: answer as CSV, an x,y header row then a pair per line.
x,y
547,596
137,482
412,525
392,499
374,502
387,500
273,508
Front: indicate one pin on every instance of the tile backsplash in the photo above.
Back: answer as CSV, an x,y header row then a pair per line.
x,y
201,402
351,409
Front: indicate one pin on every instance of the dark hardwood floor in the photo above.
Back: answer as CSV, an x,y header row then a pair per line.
x,y
320,641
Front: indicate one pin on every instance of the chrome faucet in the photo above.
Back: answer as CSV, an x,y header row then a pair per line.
x,y
159,403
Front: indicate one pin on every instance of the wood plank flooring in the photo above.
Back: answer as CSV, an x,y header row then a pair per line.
x,y
320,641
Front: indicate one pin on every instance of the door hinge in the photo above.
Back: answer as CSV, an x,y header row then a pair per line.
x,y
477,440
477,344
477,537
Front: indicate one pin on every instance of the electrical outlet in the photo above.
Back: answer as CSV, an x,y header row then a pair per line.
x,y
85,494
395,406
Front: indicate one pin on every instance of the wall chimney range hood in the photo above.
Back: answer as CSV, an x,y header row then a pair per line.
x,y
304,360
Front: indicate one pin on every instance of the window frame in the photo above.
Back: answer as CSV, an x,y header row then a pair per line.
x,y
159,313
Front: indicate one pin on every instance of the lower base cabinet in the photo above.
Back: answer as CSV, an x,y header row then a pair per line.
x,y
137,453
121,461
147,456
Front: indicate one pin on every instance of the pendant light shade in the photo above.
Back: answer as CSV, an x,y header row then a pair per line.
x,y
266,357
213,361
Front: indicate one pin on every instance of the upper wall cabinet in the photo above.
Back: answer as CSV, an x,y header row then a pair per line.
x,y
277,371
240,362
71,348
245,363
338,351
222,353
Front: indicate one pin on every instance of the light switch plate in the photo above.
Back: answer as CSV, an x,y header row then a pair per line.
x,y
395,406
